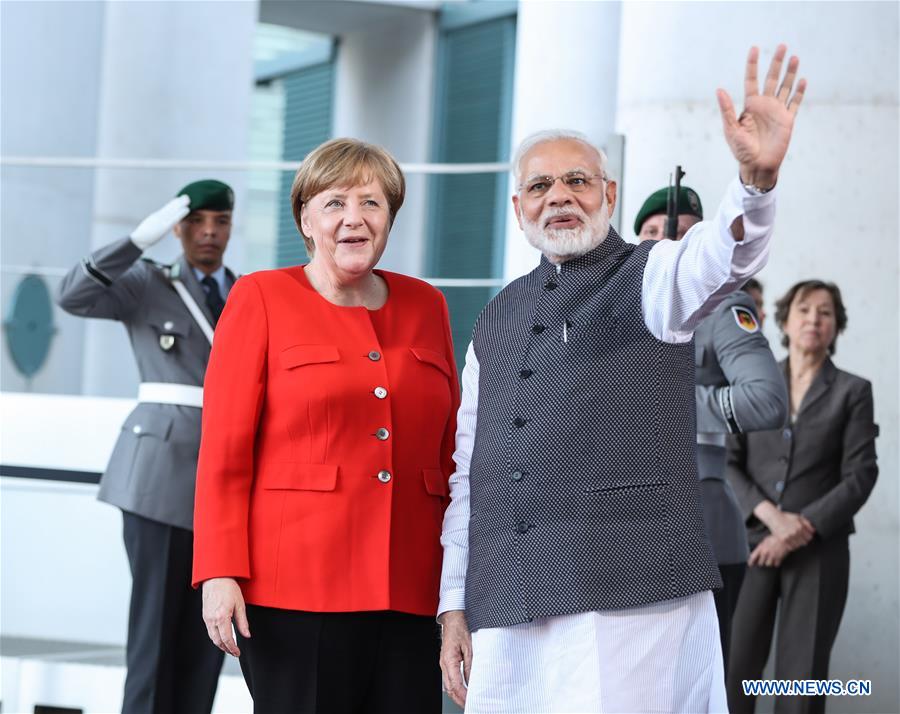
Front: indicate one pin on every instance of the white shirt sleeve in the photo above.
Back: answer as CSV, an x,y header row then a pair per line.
x,y
455,533
685,280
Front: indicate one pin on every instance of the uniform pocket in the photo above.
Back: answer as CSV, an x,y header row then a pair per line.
x,y
300,355
301,477
178,325
144,423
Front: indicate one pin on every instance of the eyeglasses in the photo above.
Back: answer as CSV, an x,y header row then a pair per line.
x,y
575,181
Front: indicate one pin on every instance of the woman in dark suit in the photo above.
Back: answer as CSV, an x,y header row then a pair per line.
x,y
799,488
328,432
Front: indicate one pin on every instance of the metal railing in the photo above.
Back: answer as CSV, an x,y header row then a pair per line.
x,y
71,162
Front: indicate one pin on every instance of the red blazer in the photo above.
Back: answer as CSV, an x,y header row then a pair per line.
x,y
327,445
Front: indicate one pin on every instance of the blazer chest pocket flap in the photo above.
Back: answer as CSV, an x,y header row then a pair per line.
x,y
436,359
300,355
302,477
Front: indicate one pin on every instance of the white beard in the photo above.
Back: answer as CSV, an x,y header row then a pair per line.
x,y
562,244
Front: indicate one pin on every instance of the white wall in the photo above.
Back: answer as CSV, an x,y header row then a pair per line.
x,y
384,94
837,219
63,571
50,64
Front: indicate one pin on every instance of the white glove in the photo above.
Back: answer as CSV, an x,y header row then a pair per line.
x,y
152,229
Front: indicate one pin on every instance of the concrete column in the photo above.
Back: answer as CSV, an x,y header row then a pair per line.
x,y
384,94
177,80
566,77
50,64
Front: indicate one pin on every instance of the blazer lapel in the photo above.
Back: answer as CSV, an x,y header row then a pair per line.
x,y
821,384
230,280
194,287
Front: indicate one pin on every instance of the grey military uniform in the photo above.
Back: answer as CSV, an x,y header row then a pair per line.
x,y
739,388
153,466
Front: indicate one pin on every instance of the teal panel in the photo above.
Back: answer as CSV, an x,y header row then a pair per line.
x,y
456,14
308,106
472,124
29,325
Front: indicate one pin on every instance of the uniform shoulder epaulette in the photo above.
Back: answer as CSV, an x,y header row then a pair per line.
x,y
164,268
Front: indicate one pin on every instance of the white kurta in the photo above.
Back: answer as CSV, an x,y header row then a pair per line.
x,y
661,657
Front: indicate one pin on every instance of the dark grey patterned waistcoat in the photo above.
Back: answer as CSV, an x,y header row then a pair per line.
x,y
584,492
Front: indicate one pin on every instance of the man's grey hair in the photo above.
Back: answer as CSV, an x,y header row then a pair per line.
x,y
542,137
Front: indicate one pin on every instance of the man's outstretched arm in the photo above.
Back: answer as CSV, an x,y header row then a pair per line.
x,y
685,280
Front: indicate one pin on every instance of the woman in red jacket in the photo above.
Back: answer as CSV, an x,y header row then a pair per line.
x,y
328,431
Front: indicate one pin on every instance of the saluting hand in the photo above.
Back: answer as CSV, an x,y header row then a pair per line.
x,y
222,603
152,229
759,137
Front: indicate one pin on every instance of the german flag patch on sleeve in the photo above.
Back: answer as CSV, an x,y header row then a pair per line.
x,y
745,319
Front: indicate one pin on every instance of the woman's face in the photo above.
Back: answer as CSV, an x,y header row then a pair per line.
x,y
811,324
349,226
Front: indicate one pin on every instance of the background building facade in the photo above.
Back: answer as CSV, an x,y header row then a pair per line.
x,y
150,96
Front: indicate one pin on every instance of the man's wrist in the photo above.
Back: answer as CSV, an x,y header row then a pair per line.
x,y
758,182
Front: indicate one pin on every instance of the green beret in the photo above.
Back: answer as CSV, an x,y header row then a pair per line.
x,y
688,203
209,194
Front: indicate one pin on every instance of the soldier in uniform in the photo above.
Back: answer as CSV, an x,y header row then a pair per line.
x,y
739,388
170,312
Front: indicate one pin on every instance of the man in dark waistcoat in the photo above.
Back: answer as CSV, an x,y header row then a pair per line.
x,y
739,389
169,312
575,550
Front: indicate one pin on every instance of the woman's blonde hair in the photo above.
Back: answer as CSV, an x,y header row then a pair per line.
x,y
346,162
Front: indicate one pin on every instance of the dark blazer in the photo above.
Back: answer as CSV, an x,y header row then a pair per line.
x,y
823,465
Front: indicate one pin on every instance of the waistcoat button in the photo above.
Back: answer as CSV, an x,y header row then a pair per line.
x,y
384,476
380,392
525,373
522,527
550,286
382,434
516,475
538,329
374,356
519,422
